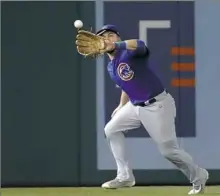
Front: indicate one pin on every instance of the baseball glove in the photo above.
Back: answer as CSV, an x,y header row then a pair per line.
x,y
90,44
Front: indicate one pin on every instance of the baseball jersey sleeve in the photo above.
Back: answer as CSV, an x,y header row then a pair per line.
x,y
141,49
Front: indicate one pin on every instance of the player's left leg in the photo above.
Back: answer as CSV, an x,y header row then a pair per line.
x,y
159,121
125,119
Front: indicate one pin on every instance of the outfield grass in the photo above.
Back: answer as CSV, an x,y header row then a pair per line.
x,y
135,191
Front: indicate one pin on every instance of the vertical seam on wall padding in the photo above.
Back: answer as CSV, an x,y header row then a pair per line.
x,y
100,84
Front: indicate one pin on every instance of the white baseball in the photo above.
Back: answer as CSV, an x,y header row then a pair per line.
x,y
78,24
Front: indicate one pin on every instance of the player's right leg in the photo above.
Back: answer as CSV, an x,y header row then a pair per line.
x,y
159,121
125,119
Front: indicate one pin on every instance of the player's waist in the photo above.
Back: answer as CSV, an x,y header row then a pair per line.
x,y
156,98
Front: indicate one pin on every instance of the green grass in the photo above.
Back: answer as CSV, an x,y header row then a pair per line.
x,y
135,191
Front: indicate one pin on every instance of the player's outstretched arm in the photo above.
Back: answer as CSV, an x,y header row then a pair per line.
x,y
136,46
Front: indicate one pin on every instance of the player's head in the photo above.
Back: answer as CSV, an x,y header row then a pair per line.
x,y
110,32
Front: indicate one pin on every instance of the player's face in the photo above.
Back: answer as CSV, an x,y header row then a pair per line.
x,y
111,36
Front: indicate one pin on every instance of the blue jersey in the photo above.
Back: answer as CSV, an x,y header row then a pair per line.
x,y
130,71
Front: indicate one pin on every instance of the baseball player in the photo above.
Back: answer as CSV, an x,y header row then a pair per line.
x,y
144,100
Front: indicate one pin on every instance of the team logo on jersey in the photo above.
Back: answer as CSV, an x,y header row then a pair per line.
x,y
125,72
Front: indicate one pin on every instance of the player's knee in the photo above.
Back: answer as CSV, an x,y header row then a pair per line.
x,y
168,149
108,130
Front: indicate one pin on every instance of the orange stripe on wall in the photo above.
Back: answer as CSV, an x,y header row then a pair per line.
x,y
182,51
183,66
183,82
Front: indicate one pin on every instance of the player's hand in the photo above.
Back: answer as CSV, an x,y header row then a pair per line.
x,y
109,46
116,110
